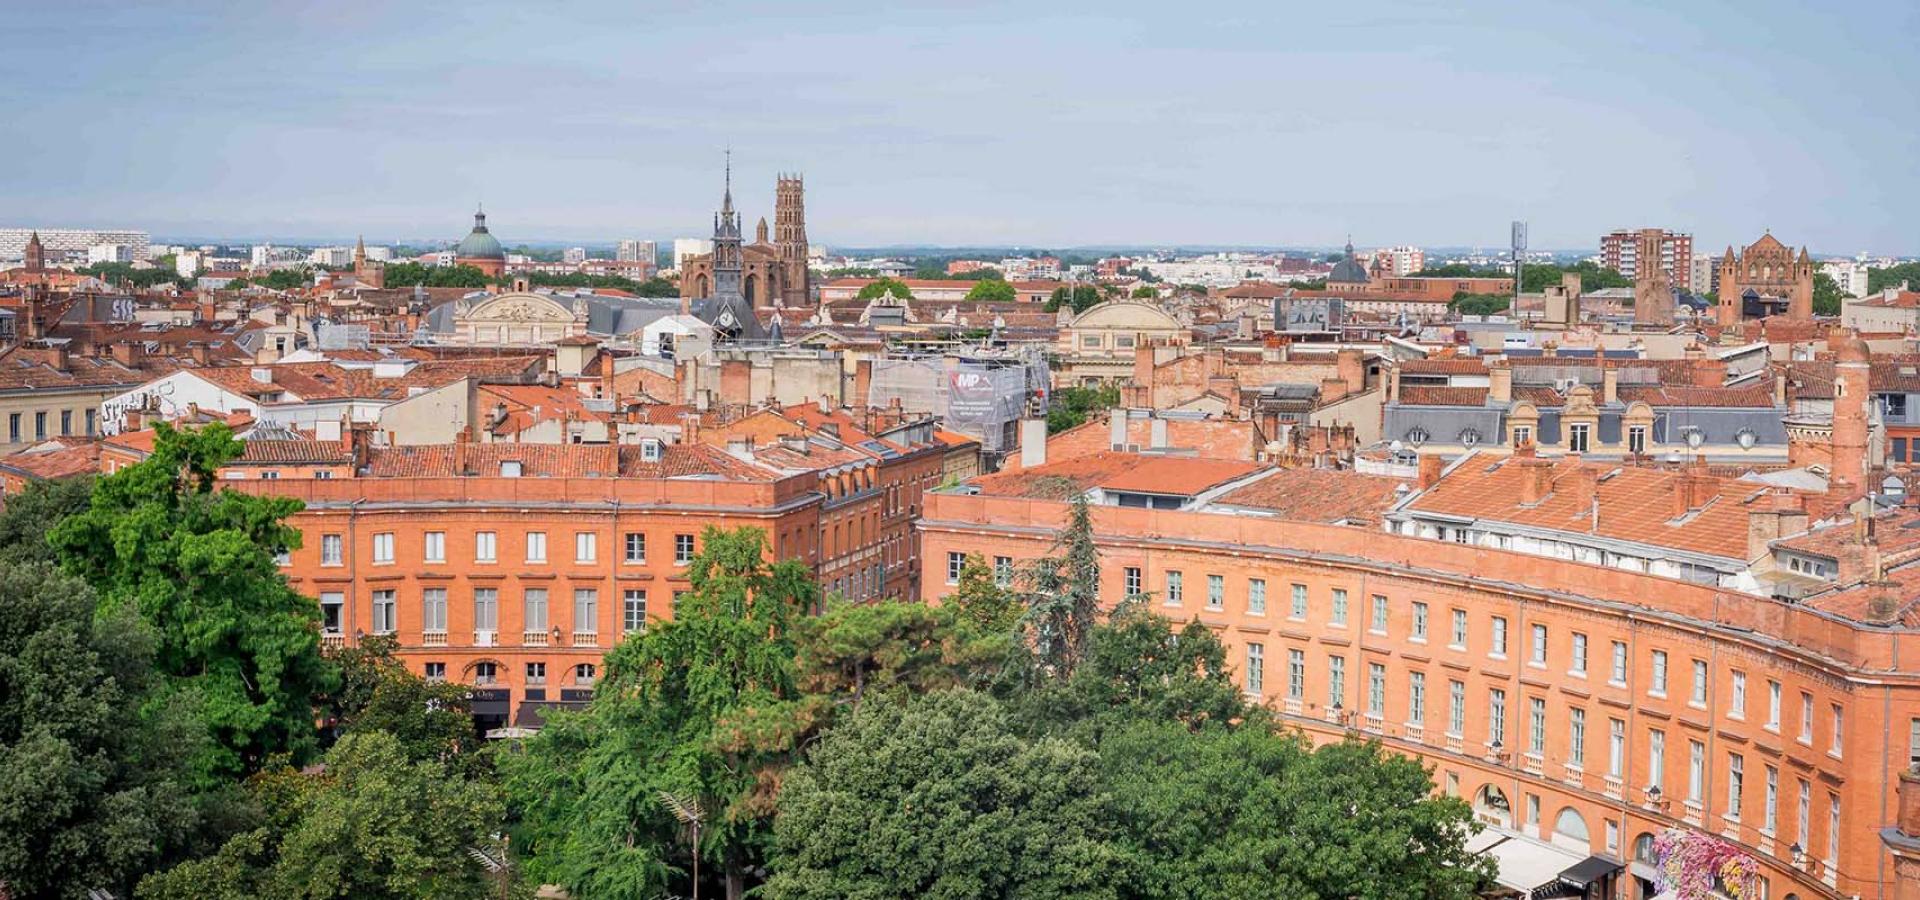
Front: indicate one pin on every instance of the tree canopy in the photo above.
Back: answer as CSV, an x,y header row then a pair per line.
x,y
1071,407
884,286
410,274
1480,304
1078,298
992,290
1893,276
1828,297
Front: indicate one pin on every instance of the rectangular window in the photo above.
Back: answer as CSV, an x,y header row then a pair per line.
x,y
1216,592
1336,679
633,611
93,422
1003,571
383,547
484,549
40,426
66,422
586,611
1737,700
1579,654
1376,689
1800,823
1806,720
1299,610
330,549
1699,697
1378,624
1340,607
1536,726
1616,747
956,561
1773,705
1499,647
1456,708
682,549
1577,737
383,612
1416,698
1539,653
636,548
1637,439
434,549
435,671
1658,686
586,546
1736,785
1496,716
1657,759
1175,588
1459,629
1256,596
1419,621
486,609
1577,437
13,428
1296,674
536,609
1696,770
1833,828
433,610
536,546
1619,674
332,611
1770,816
536,674
1833,745
1135,582
1256,669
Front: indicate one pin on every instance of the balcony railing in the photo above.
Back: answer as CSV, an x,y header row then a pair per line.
x,y
1416,732
533,639
433,639
332,641
1532,763
485,639
586,639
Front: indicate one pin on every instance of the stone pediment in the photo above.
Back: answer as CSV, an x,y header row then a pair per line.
x,y
521,308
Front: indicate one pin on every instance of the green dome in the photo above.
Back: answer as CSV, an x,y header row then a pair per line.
x,y
479,244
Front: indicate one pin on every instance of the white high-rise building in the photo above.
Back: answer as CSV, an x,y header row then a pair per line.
x,y
1850,274
261,257
573,256
1400,262
637,251
332,257
187,263
685,247
109,253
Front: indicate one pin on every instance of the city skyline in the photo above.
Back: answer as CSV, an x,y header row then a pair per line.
x,y
1249,128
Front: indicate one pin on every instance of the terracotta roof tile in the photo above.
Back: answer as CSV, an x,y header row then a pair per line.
x,y
1429,395
1318,495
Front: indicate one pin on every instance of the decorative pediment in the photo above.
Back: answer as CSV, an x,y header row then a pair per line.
x,y
522,308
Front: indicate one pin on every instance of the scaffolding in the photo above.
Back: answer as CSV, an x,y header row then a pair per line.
x,y
981,395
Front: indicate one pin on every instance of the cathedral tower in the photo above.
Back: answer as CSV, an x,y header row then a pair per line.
x,y
790,239
726,245
36,254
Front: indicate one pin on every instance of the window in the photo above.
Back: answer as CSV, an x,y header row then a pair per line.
x,y
1003,571
510,469
1658,687
1773,705
536,674
584,674
1696,770
1699,697
383,548
93,422
1340,607
536,546
486,609
485,673
1619,673
1577,737
636,548
1299,610
434,550
1522,434
1833,745
435,671
1336,679
1416,698
1499,647
1833,827
1636,439
383,612
330,548
1533,810
1805,812
586,546
1577,437
536,609
1376,689
1737,701
956,561
1616,747
433,610
633,611
1256,669
1736,785
40,426
1579,654
1174,588
1378,624
682,549
1296,674
1806,720
1770,817
483,547
1536,726
1656,759
1256,596
1134,581
1216,592
332,608
1496,716
1459,629
1539,657
586,611
1456,708
1420,621
66,422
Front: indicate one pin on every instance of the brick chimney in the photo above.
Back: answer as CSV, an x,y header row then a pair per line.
x,y
1692,487
57,357
128,353
1352,367
1536,477
1609,383
1143,371
1500,383
1582,484
1431,465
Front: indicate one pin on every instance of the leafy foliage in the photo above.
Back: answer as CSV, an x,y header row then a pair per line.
x,y
980,601
1480,304
117,273
432,721
1145,292
409,274
884,286
1827,295
992,290
198,566
31,514
652,287
1070,407
855,649
1893,276
1078,298
1064,595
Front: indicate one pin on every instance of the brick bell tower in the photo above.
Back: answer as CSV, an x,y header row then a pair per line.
x,y
790,240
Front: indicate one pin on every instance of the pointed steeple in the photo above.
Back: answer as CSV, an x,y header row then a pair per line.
x,y
726,202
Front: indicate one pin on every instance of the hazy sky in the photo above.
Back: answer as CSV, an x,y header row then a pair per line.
x,y
970,122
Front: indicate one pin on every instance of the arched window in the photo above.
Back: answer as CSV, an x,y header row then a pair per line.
x,y
1570,830
752,289
1490,805
702,287
583,674
1643,848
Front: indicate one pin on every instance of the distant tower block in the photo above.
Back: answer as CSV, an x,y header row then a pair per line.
x,y
1652,286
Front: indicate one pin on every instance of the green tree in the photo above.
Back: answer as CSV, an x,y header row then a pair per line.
x,y
938,797
704,707
1078,298
198,566
992,290
432,721
1892,277
884,286
1071,407
125,275
1827,295
853,650
374,823
410,274
1063,596
1480,304
93,777
1137,666
1146,292
980,600
31,514
657,287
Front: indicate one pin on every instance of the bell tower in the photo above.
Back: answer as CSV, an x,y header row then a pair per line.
x,y
790,239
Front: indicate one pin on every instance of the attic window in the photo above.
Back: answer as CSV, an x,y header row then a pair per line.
x,y
1746,438
510,469
650,451
1417,436
1469,437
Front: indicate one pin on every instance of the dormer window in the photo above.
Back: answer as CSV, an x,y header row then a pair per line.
x,y
650,451
510,469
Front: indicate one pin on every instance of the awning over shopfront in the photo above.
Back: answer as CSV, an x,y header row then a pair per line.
x,y
1536,870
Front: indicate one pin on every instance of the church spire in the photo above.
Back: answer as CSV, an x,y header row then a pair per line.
x,y
726,202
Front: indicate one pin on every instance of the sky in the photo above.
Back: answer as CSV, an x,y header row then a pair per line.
x,y
970,123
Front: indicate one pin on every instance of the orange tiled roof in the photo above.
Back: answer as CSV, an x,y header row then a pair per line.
x,y
1133,472
1450,366
560,461
1428,395
1758,395
1178,475
1318,495
1209,438
60,463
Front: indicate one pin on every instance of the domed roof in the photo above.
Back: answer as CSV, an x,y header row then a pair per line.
x,y
1348,270
479,244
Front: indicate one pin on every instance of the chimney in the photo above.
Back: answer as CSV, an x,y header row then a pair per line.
x,y
1583,486
1690,488
1116,429
1393,385
1609,383
1708,372
1431,465
1033,443
1143,369
358,438
57,357
690,428
201,353
462,442
127,353
1351,364
862,383
1536,479
1500,383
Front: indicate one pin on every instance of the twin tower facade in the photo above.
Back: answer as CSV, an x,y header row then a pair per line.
x,y
769,273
